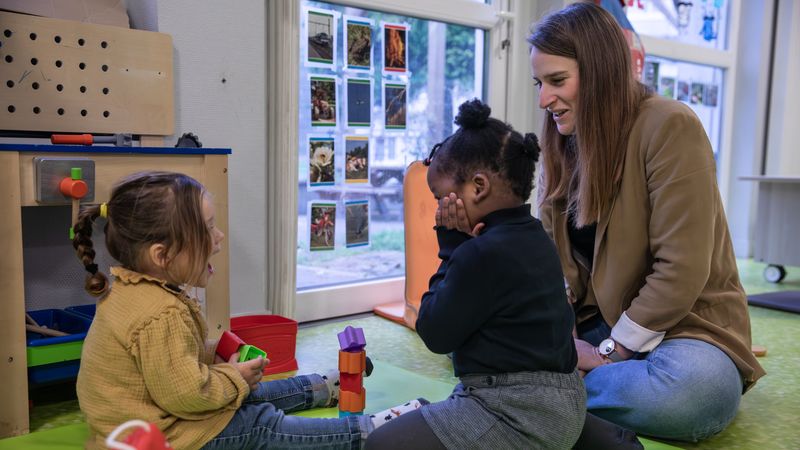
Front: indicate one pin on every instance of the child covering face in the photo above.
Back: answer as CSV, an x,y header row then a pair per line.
x,y
497,303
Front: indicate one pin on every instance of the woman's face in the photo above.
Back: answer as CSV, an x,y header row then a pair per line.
x,y
557,80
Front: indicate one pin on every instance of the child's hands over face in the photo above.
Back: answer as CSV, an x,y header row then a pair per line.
x,y
252,371
452,214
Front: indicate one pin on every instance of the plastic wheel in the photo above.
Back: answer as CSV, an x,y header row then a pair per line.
x,y
774,273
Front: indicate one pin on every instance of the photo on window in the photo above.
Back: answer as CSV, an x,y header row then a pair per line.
x,y
666,87
438,66
395,48
323,226
697,94
356,159
323,101
358,44
359,102
356,223
394,98
321,167
320,37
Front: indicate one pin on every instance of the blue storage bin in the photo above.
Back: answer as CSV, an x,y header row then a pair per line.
x,y
56,358
61,320
49,373
83,310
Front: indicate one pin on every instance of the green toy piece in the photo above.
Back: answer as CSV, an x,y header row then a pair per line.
x,y
248,352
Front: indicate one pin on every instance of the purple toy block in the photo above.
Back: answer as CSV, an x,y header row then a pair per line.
x,y
352,339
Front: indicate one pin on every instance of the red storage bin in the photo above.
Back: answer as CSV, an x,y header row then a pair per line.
x,y
276,335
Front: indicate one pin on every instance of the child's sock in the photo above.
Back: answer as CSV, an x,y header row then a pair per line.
x,y
332,380
380,418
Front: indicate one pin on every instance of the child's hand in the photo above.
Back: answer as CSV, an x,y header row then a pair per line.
x,y
588,356
252,371
451,214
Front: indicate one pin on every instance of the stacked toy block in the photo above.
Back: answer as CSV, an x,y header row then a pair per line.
x,y
352,364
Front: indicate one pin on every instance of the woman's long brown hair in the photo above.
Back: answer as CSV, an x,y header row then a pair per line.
x,y
585,168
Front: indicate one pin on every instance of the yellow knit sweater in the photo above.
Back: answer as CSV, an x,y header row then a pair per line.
x,y
146,357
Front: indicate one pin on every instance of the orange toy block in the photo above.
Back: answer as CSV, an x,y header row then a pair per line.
x,y
352,402
351,381
352,362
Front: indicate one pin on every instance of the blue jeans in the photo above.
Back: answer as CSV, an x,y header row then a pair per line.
x,y
685,389
261,423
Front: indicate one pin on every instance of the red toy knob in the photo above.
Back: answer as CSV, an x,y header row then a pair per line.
x,y
73,188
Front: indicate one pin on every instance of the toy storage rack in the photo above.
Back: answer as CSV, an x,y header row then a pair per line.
x,y
207,165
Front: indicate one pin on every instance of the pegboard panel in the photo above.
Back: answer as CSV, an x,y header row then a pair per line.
x,y
66,76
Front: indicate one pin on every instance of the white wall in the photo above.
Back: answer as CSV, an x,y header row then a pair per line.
x,y
216,41
783,153
749,120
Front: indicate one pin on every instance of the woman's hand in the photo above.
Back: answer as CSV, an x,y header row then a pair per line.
x,y
252,371
451,214
589,356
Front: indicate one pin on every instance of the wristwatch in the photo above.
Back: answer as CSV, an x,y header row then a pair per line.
x,y
608,348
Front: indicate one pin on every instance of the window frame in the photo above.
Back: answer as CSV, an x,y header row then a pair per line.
x,y
339,300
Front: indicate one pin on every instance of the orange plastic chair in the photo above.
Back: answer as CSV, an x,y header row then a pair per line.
x,y
422,247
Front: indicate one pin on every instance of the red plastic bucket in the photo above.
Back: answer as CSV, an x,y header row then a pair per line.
x,y
276,335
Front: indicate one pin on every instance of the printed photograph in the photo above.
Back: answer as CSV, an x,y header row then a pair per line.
x,y
359,44
356,223
394,96
683,91
321,34
323,101
651,74
356,159
321,167
323,226
697,94
666,87
359,95
712,92
395,48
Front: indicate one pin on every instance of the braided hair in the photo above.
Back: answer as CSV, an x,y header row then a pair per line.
x,y
145,208
485,143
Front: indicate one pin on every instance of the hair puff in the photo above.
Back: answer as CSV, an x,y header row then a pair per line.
x,y
473,114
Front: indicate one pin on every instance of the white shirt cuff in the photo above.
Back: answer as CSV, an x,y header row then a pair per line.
x,y
635,337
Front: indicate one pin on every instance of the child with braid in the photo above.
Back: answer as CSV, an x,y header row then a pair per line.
x,y
497,303
147,356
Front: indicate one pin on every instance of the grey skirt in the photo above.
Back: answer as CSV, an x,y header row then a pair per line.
x,y
523,410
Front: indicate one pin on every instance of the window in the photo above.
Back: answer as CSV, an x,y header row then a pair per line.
x,y
697,85
363,118
697,22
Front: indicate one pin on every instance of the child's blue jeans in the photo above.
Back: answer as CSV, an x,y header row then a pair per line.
x,y
685,389
261,423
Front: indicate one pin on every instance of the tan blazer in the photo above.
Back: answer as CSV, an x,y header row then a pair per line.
x,y
663,254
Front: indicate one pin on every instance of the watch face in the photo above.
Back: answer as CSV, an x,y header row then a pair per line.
x,y
607,347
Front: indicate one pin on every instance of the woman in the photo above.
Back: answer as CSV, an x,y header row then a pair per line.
x,y
629,195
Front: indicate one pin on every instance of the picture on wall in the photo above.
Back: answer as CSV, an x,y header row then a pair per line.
x,y
323,101
322,229
712,92
666,87
394,101
395,48
358,44
356,159
683,91
356,223
321,30
359,102
697,94
321,166
651,74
